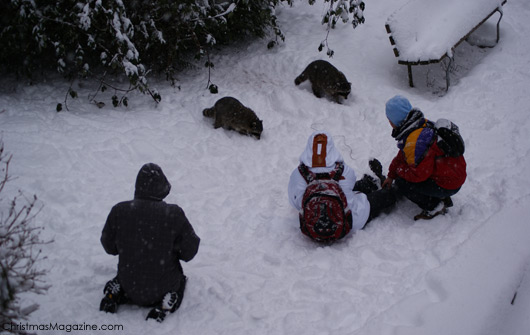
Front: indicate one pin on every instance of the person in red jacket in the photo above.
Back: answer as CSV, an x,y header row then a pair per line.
x,y
421,171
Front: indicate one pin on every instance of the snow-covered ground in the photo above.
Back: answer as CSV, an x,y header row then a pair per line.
x,y
255,273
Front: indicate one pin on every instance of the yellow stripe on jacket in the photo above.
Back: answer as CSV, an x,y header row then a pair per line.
x,y
410,146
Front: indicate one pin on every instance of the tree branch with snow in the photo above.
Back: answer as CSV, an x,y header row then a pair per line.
x,y
19,252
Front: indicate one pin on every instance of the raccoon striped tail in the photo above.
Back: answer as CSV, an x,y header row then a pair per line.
x,y
301,78
209,112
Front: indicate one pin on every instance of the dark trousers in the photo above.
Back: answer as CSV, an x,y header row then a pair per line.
x,y
380,199
427,194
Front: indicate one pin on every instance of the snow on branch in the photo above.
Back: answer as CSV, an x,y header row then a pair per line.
x,y
341,10
19,252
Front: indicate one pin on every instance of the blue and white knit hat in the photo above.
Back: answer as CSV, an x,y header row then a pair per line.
x,y
397,109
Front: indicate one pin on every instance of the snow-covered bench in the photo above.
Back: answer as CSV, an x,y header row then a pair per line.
x,y
426,31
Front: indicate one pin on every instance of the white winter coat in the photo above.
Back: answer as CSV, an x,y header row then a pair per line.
x,y
357,202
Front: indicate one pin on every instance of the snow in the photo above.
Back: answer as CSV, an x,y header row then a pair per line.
x,y
255,272
427,29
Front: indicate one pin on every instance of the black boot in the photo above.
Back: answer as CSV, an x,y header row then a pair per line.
x,y
108,304
169,304
448,202
157,314
110,301
440,209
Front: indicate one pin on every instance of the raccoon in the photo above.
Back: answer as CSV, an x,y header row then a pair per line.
x,y
325,78
230,114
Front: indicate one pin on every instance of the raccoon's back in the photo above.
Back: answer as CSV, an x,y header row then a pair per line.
x,y
235,116
222,106
229,112
228,103
323,71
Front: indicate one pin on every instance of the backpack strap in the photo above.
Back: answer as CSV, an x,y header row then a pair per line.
x,y
310,176
436,136
337,171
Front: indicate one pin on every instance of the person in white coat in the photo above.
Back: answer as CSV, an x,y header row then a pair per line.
x,y
322,160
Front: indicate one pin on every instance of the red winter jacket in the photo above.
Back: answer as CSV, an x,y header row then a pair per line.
x,y
448,172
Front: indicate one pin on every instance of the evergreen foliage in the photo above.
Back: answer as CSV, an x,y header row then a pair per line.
x,y
96,38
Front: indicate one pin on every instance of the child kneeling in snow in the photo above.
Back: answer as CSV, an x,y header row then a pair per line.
x,y
421,171
328,212
150,237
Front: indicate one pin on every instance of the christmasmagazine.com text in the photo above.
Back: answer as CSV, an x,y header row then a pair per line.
x,y
28,327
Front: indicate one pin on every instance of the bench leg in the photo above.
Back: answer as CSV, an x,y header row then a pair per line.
x,y
409,68
498,24
498,32
447,76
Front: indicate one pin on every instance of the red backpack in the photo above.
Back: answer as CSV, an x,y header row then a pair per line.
x,y
324,216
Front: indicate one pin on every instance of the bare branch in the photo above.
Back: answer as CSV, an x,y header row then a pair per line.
x,y
19,242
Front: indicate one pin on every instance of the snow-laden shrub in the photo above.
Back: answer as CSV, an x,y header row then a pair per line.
x,y
95,38
341,10
19,253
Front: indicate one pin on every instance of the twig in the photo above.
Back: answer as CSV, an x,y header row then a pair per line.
x,y
520,283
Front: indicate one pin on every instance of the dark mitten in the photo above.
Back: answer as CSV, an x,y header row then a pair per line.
x,y
377,168
366,185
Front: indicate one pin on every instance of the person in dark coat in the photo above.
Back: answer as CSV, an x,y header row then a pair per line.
x,y
420,170
150,237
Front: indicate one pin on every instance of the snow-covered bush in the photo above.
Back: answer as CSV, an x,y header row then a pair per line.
x,y
341,10
96,38
19,242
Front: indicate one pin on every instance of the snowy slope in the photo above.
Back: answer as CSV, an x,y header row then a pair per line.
x,y
255,272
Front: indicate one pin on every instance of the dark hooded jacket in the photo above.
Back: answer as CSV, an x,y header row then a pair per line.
x,y
150,237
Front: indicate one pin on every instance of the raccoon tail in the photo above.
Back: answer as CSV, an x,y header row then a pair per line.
x,y
301,78
208,112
